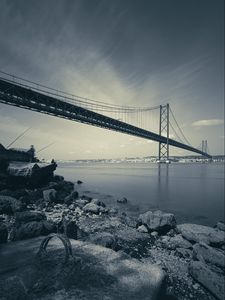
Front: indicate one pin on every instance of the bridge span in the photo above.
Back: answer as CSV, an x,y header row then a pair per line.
x,y
35,99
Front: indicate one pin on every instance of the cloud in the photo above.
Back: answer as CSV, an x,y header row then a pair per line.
x,y
211,122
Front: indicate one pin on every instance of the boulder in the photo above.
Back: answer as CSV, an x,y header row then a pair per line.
x,y
3,233
175,242
79,182
212,281
28,216
91,207
122,200
106,273
27,230
49,195
157,221
200,233
205,253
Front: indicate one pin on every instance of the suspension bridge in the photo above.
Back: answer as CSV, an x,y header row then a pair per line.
x,y
153,123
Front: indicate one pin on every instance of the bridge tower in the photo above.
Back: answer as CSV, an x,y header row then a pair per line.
x,y
204,146
164,130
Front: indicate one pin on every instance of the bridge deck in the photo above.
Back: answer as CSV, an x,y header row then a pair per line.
x,y
28,98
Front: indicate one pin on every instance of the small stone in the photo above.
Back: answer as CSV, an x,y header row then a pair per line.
x,y
142,228
154,234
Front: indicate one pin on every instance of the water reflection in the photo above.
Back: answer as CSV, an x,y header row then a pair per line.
x,y
163,182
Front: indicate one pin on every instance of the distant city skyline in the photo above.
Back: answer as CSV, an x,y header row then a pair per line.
x,y
139,53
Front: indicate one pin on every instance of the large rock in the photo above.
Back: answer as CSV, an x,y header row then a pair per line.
x,y
200,233
9,205
214,282
157,220
203,252
27,230
23,231
28,216
175,242
92,208
101,273
3,233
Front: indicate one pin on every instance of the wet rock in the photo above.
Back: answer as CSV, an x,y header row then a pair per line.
x,y
220,225
49,195
200,233
214,282
104,239
207,254
3,233
79,182
122,200
14,193
176,242
28,216
92,208
9,205
157,221
143,229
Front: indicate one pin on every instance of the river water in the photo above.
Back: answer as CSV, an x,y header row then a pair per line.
x,y
193,192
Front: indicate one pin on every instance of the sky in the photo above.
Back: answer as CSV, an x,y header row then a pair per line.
x,y
130,52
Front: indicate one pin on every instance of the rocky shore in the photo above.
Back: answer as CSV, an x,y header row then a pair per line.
x,y
189,258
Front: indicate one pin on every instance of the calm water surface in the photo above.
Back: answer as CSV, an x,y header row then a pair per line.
x,y
193,192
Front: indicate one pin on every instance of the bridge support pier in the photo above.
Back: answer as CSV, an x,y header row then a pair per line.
x,y
164,130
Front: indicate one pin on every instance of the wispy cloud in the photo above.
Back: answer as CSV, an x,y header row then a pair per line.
x,y
209,122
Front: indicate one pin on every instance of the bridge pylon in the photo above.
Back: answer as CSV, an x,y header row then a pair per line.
x,y
164,130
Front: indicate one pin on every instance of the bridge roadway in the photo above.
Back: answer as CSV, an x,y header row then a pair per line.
x,y
27,97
